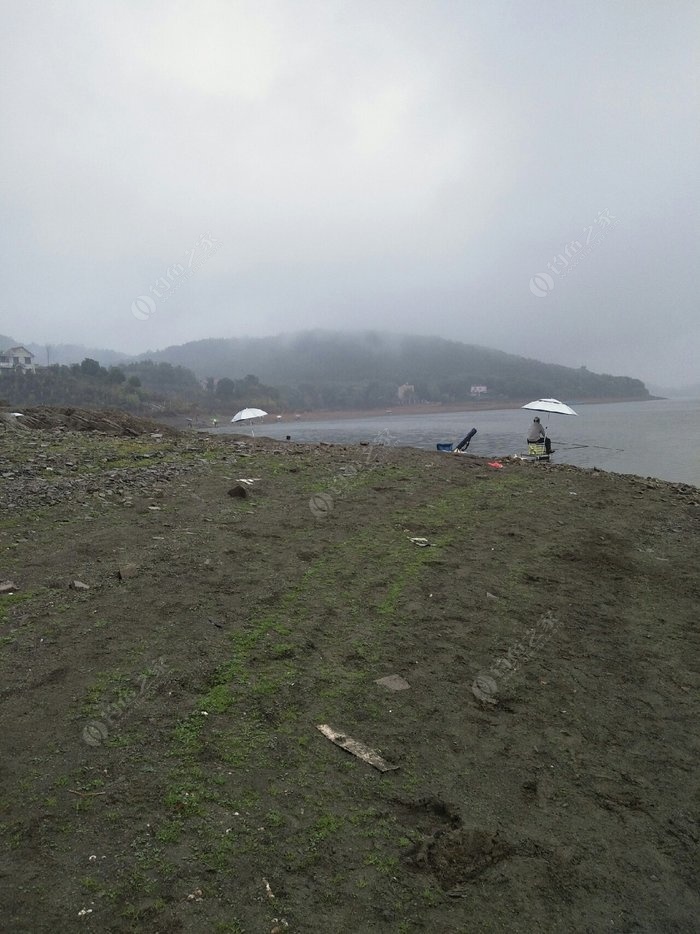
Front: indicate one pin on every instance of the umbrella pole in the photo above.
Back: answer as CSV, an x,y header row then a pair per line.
x,y
546,432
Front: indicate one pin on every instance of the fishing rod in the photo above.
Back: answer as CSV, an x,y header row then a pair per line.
x,y
599,447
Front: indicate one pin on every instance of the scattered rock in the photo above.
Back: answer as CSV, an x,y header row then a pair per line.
x,y
8,587
485,689
79,585
238,492
393,683
127,570
321,504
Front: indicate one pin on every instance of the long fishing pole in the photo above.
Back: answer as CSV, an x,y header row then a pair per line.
x,y
599,447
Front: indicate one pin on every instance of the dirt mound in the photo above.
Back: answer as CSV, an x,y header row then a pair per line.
x,y
110,422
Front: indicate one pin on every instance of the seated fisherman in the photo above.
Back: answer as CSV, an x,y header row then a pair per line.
x,y
537,435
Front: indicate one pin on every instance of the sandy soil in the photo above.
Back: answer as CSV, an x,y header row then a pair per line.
x,y
162,769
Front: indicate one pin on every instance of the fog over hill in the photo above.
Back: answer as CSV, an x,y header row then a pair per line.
x,y
513,175
438,369
328,369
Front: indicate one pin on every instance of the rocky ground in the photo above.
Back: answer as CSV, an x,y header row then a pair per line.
x,y
180,613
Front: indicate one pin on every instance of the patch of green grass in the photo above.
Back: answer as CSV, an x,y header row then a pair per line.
x,y
218,699
229,927
275,819
245,744
83,804
363,816
151,857
90,884
221,854
114,682
383,862
184,801
325,826
8,600
250,799
266,685
187,734
431,895
13,834
121,739
283,650
169,831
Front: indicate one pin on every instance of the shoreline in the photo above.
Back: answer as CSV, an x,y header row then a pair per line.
x,y
429,408
426,408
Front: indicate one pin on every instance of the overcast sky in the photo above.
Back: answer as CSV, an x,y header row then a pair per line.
x,y
409,166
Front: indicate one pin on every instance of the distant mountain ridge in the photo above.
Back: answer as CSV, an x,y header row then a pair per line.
x,y
336,370
439,369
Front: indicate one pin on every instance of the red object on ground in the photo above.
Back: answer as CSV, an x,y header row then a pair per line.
x,y
497,464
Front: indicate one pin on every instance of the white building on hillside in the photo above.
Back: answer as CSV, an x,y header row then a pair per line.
x,y
17,358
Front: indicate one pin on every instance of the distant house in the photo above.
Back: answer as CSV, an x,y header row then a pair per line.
x,y
17,358
406,394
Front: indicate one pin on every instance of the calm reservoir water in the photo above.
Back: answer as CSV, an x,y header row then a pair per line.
x,y
652,439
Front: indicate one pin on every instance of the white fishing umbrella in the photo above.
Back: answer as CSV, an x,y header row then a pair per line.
x,y
247,415
550,405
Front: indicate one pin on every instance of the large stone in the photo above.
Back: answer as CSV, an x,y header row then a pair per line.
x,y
393,683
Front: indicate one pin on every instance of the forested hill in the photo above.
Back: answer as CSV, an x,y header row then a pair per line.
x,y
329,369
311,370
